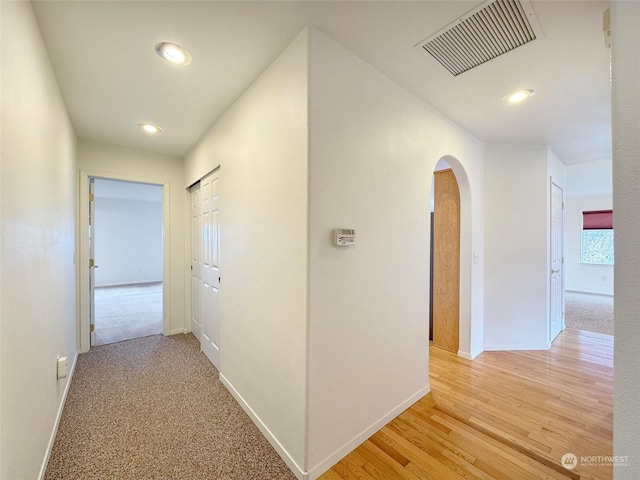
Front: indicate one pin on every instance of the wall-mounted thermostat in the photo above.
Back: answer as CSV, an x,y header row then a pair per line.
x,y
344,237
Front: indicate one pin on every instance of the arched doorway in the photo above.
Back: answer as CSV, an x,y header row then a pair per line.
x,y
471,310
444,315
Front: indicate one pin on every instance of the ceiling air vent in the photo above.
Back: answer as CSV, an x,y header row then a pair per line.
x,y
486,32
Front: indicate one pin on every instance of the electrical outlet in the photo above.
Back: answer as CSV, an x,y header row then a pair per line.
x,y
62,366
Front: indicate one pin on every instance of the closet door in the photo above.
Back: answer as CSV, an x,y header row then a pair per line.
x,y
209,268
196,260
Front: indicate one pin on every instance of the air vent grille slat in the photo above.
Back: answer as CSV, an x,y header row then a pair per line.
x,y
499,18
517,21
458,41
523,23
474,49
491,30
494,15
510,24
488,48
455,57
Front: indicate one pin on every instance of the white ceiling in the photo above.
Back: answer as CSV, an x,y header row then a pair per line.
x,y
111,78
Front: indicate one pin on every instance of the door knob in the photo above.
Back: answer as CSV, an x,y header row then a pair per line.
x,y
555,271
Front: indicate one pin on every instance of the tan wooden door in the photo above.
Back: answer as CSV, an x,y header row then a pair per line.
x,y
446,261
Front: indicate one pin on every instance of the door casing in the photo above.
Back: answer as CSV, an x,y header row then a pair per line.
x,y
82,254
556,283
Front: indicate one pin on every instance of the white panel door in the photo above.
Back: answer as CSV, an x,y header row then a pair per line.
x,y
210,270
556,323
196,260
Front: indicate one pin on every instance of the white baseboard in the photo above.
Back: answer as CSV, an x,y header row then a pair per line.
x,y
470,356
591,293
177,331
295,468
52,439
130,283
341,452
529,346
352,444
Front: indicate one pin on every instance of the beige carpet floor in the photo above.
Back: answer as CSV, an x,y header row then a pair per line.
x,y
153,408
585,311
128,311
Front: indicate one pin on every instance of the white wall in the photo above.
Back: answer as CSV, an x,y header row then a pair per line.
x,y
373,149
589,187
557,172
128,247
367,136
261,146
590,179
518,244
625,17
108,161
516,247
38,310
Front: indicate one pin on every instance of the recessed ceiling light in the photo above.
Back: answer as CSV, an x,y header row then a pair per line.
x,y
517,96
150,127
173,53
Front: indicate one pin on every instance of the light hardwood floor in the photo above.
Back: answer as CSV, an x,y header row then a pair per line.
x,y
504,415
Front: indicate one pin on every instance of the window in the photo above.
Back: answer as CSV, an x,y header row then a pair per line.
x,y
597,237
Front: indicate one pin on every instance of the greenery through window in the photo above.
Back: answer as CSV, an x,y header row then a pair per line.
x,y
597,247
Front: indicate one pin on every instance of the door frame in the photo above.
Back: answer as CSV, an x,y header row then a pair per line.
x,y
82,254
563,324
92,268
471,326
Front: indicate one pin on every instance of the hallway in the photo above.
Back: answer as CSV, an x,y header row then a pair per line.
x,y
321,343
153,407
136,410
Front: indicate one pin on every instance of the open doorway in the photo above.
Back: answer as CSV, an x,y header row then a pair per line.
x,y
444,312
126,260
589,247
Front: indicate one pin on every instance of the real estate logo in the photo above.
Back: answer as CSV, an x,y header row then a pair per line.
x,y
569,461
